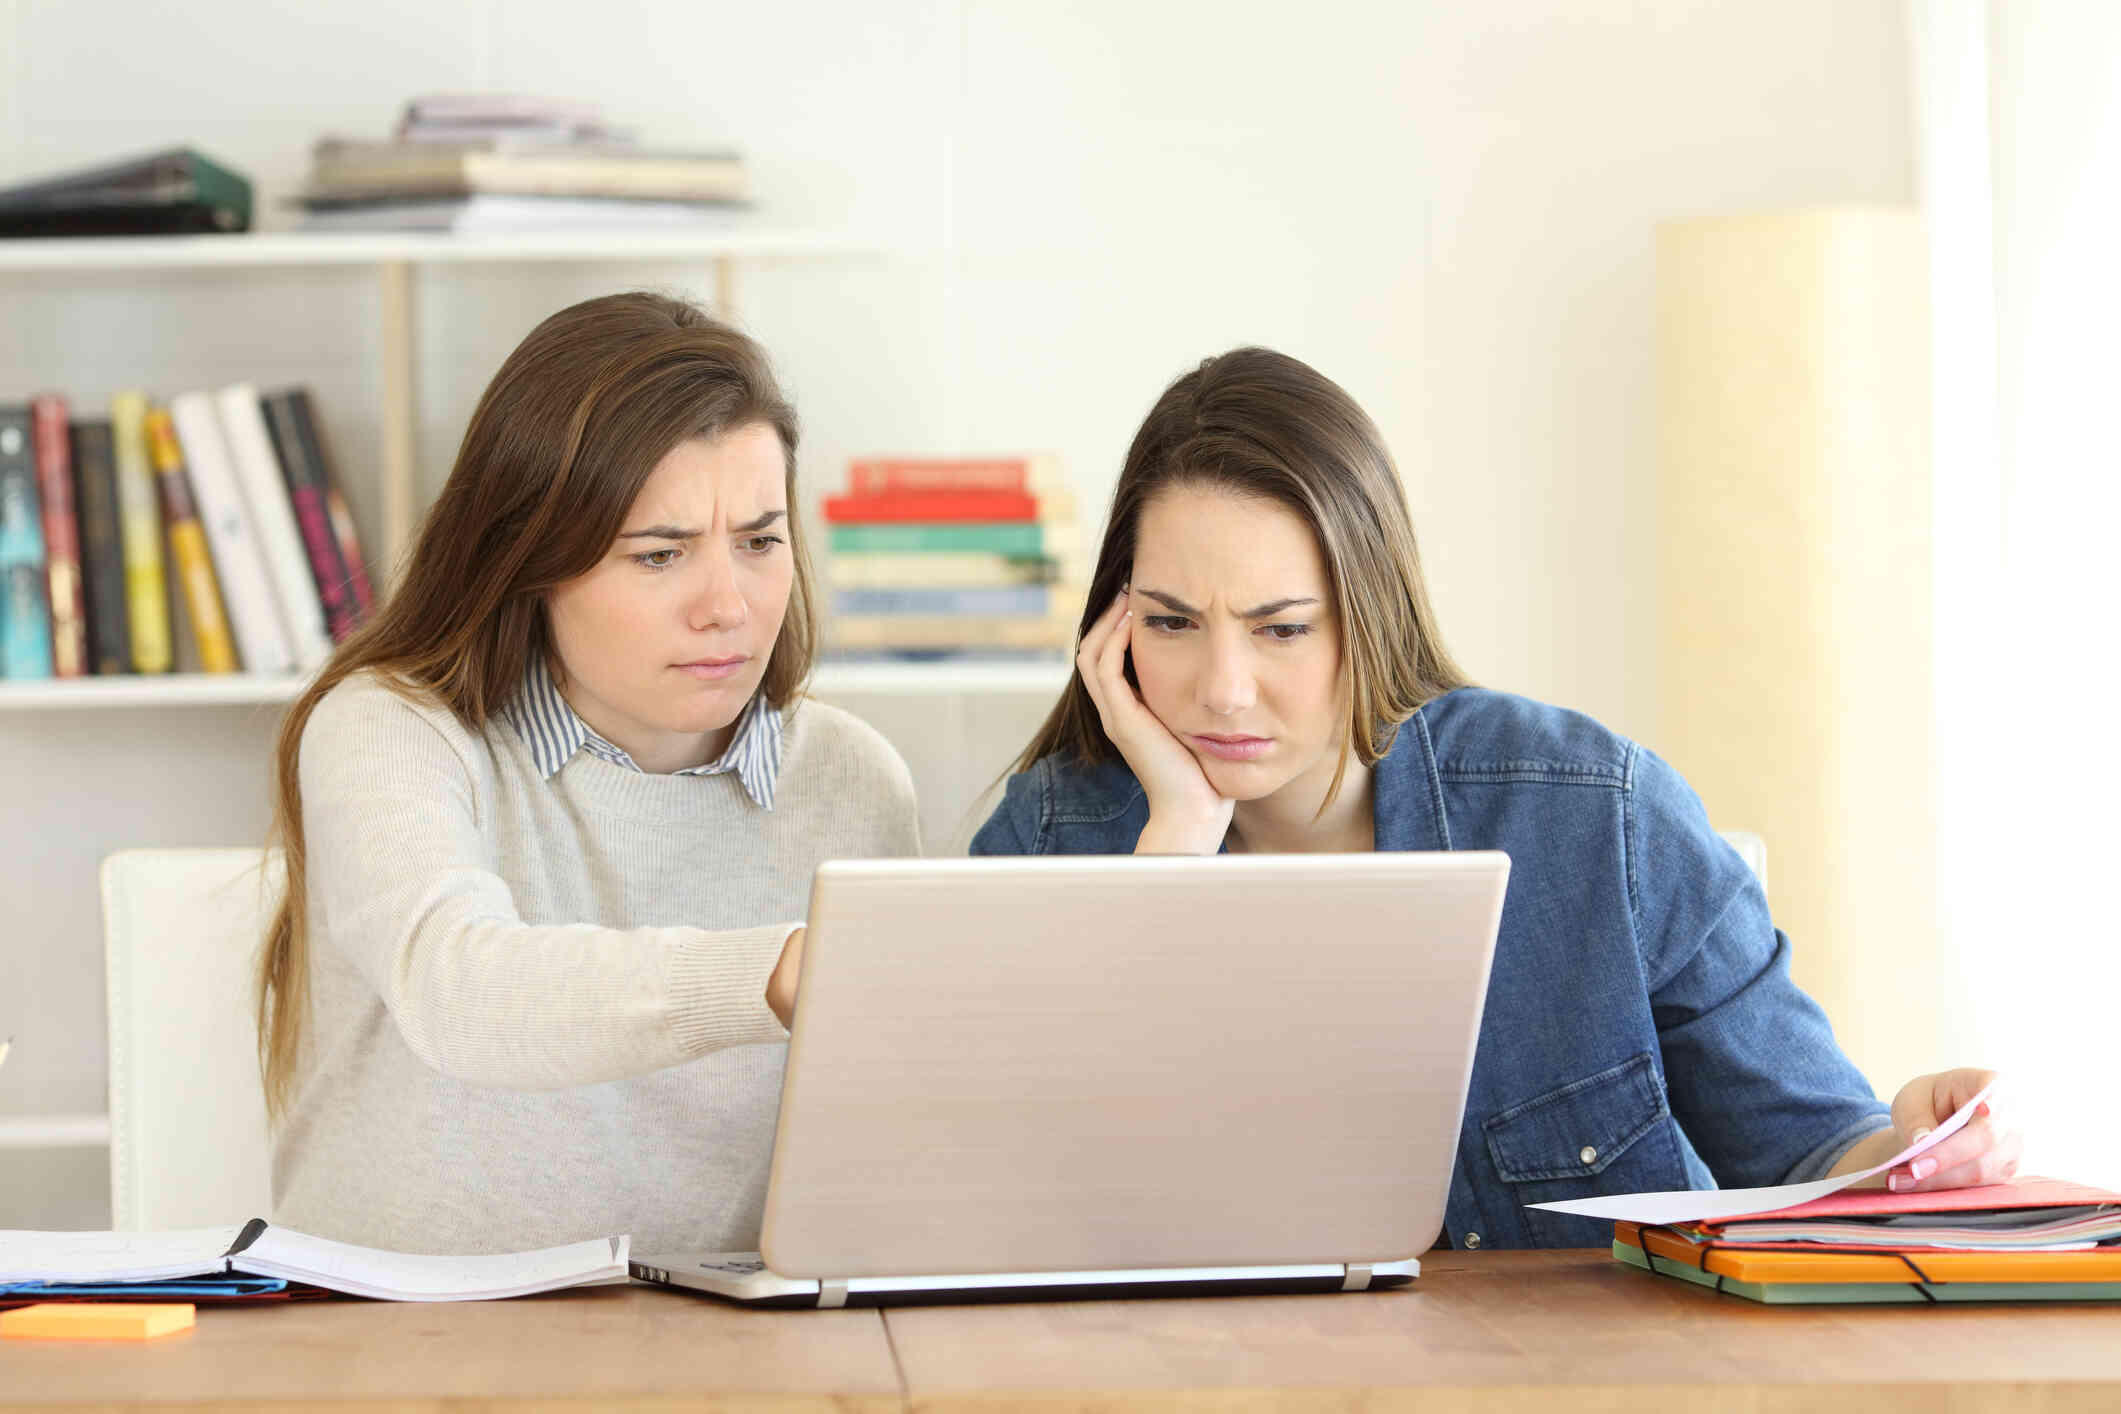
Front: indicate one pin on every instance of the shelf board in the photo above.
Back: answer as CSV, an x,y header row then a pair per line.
x,y
243,689
160,690
54,1131
387,247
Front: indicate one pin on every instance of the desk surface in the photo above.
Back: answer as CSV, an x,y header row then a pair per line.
x,y
1509,1331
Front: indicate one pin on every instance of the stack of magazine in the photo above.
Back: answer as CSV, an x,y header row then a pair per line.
x,y
495,163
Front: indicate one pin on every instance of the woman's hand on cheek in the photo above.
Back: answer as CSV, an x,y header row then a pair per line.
x,y
1186,816
1985,1150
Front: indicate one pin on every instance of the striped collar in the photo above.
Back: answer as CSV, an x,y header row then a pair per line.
x,y
554,732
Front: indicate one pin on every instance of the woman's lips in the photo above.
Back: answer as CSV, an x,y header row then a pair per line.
x,y
713,669
1233,748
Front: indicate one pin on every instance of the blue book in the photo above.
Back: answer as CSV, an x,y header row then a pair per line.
x,y
25,616
1014,601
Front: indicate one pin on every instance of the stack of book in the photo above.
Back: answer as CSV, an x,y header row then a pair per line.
x,y
172,192
2031,1240
505,164
222,502
953,557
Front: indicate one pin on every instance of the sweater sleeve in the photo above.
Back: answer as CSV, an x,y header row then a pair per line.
x,y
401,883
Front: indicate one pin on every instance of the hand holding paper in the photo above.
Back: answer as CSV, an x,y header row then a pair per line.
x,y
1981,1152
1719,1204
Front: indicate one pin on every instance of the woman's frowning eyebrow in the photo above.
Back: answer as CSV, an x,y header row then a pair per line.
x,y
1264,611
679,532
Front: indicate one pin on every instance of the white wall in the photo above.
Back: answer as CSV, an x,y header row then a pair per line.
x,y
1445,207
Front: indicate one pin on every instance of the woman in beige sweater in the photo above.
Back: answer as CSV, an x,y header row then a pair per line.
x,y
550,819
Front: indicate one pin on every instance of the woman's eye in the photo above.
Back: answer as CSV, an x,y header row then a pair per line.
x,y
1284,633
761,544
655,559
1165,623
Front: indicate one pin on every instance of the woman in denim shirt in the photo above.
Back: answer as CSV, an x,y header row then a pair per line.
x,y
1260,670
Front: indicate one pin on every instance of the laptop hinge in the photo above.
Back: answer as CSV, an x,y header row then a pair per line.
x,y
834,1293
1358,1277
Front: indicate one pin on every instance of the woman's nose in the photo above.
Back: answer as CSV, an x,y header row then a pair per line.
x,y
1227,685
716,602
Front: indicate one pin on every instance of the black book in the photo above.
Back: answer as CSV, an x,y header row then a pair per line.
x,y
110,648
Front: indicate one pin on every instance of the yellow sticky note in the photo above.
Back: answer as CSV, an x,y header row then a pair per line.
x,y
96,1320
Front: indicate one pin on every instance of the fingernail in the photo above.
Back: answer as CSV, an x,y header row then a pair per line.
x,y
1923,1168
1918,1136
1897,1182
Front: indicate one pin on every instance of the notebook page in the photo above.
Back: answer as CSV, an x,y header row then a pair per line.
x,y
405,1276
113,1256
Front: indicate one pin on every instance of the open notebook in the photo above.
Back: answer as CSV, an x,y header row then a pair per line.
x,y
259,1249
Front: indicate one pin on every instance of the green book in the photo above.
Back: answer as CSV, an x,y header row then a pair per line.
x,y
1851,1293
993,537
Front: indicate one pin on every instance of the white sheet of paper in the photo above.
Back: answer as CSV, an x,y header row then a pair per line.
x,y
113,1256
1718,1204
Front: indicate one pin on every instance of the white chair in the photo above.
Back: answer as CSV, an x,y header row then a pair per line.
x,y
181,930
1751,848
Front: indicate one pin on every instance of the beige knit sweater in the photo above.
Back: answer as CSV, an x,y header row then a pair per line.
x,y
538,1009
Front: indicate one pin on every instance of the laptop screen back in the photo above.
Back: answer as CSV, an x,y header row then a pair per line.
x,y
1094,1063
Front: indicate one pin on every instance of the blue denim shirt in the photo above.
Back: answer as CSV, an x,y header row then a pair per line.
x,y
1641,1032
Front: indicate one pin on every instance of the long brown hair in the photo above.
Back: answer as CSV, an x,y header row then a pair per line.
x,y
1256,423
557,449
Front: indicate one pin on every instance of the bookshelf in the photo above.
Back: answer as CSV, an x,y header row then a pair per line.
x,y
395,257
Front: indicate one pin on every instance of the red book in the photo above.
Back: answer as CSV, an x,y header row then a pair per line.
x,y
882,476
62,535
940,506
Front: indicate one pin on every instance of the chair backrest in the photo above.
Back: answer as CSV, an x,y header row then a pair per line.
x,y
181,929
1751,848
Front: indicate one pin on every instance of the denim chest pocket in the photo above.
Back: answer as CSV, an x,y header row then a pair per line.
x,y
1606,1133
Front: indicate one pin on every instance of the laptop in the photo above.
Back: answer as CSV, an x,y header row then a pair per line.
x,y
1046,1078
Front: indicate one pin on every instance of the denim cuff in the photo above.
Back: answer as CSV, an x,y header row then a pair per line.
x,y
1815,1164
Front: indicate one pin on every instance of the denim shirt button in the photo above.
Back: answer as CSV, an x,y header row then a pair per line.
x,y
1587,1154
1472,1241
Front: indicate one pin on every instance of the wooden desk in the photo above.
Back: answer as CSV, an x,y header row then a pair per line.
x,y
1490,1331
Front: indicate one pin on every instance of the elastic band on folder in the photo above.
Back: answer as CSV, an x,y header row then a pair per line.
x,y
1700,1249
1922,1283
